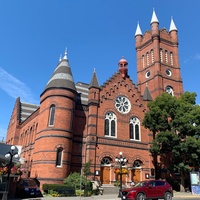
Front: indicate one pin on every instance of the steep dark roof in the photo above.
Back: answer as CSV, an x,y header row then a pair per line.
x,y
147,94
94,81
62,76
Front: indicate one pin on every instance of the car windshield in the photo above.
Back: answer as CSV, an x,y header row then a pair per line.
x,y
29,183
141,184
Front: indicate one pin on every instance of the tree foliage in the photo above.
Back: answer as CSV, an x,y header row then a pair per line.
x,y
75,180
175,124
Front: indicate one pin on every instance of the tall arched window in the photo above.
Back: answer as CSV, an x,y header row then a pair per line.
x,y
166,57
143,62
134,127
161,55
59,157
51,115
110,124
152,56
171,58
147,58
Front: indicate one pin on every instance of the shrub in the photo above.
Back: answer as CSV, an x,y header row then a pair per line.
x,y
58,190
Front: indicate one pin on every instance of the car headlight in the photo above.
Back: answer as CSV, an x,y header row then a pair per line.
x,y
38,189
26,189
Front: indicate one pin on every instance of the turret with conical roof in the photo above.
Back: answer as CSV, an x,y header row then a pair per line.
x,y
154,24
53,144
173,32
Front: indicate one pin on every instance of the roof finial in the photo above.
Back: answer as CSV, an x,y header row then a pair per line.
x,y
65,54
94,70
60,58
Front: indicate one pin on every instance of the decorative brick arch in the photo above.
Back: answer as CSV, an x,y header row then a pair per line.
x,y
106,154
137,157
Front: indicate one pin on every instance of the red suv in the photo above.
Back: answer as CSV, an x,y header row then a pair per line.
x,y
151,189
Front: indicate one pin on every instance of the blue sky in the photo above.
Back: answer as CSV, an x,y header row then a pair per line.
x,y
97,33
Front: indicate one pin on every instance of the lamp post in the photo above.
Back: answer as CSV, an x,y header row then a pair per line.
x,y
9,155
121,161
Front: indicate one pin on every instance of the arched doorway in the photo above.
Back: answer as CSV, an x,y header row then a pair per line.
x,y
136,171
105,170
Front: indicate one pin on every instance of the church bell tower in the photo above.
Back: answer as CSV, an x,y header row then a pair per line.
x,y
157,59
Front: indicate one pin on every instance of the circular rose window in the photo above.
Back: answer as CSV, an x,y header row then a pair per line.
x,y
122,104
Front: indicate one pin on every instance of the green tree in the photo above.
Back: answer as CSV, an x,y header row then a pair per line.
x,y
86,173
175,124
75,180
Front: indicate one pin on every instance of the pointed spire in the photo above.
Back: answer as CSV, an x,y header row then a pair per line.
x,y
172,26
94,81
60,58
65,54
62,76
154,17
138,30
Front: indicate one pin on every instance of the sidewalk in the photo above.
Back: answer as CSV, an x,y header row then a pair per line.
x,y
114,197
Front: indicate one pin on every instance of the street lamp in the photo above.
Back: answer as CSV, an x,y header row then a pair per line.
x,y
9,155
121,161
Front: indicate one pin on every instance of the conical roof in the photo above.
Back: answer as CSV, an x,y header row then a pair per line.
x,y
138,30
172,26
154,18
94,81
62,76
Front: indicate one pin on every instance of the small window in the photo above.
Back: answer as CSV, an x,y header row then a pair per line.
x,y
169,90
168,72
59,157
51,115
148,73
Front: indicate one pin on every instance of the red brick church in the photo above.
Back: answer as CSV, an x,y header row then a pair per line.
x,y
80,122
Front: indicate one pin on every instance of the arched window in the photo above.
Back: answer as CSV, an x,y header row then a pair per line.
x,y
134,127
143,62
59,157
147,58
161,56
110,124
166,57
137,163
171,58
169,90
51,115
106,161
152,56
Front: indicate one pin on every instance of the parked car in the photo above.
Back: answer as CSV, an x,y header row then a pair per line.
x,y
151,189
27,188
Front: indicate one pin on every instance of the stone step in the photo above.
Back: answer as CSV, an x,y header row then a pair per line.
x,y
110,189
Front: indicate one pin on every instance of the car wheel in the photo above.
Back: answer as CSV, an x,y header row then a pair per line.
x,y
168,196
140,196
